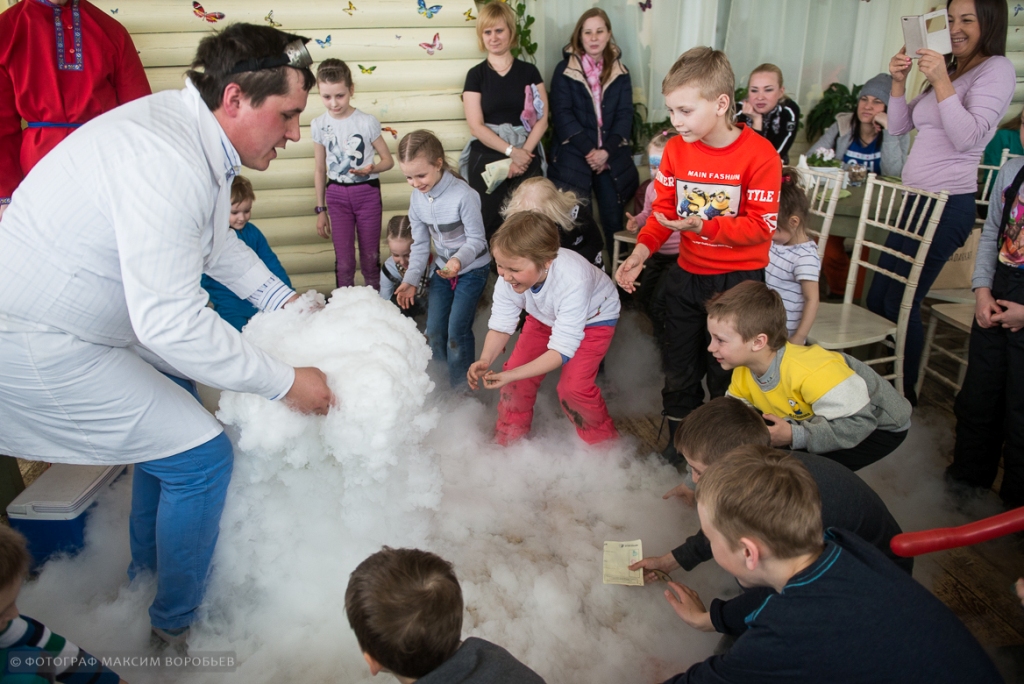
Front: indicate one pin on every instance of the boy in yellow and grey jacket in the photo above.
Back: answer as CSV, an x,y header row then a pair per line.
x,y
814,400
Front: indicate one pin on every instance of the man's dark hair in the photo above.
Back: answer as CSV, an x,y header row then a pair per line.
x,y
219,53
405,606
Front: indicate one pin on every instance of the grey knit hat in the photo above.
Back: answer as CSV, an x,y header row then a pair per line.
x,y
879,87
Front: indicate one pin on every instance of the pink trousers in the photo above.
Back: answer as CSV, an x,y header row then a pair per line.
x,y
355,210
579,397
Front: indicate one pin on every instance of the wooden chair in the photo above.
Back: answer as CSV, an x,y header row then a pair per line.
x,y
623,237
1007,156
846,325
823,199
960,317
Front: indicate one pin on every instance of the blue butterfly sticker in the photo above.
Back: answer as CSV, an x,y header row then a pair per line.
x,y
325,43
114,11
1017,8
428,12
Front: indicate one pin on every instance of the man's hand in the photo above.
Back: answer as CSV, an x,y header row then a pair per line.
x,y
309,392
1012,316
405,295
780,430
689,607
665,564
690,224
985,307
681,491
323,225
631,267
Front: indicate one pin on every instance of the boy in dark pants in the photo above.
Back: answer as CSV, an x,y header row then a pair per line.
x,y
718,187
990,406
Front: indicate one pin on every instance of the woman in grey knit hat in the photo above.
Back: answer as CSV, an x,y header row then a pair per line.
x,y
862,137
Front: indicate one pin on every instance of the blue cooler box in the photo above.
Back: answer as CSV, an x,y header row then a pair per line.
x,y
51,512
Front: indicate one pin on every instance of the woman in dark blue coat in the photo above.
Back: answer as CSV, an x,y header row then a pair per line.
x,y
592,114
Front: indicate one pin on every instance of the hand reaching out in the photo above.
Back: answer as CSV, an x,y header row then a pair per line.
x,y
665,564
690,224
681,491
451,269
688,606
405,295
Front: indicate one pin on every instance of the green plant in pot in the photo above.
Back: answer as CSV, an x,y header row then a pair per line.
x,y
644,131
836,99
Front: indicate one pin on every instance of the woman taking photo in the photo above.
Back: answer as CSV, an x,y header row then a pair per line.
x,y
955,117
495,99
861,137
592,115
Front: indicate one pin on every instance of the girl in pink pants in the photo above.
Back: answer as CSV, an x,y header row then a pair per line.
x,y
572,308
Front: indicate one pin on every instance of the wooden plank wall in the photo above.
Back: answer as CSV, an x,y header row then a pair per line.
x,y
409,89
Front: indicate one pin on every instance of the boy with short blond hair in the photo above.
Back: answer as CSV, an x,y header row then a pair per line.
x,y
718,188
816,400
405,606
839,610
29,651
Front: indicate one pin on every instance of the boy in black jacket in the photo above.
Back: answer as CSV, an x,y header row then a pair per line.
x,y
712,431
842,612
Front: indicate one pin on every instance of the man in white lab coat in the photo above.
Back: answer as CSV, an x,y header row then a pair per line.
x,y
103,324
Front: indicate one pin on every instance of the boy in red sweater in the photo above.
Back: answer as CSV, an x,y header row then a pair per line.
x,y
718,186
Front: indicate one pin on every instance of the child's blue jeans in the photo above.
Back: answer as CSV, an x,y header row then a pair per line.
x,y
175,520
450,314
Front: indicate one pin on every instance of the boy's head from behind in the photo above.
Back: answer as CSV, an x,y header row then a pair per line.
x,y
746,322
14,565
699,91
242,197
758,503
718,427
405,606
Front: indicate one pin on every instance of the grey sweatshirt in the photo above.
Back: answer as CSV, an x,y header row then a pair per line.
x,y
449,215
480,662
988,248
839,135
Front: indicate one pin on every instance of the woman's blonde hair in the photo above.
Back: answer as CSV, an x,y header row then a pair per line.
x,y
557,205
496,13
767,68
528,235
423,143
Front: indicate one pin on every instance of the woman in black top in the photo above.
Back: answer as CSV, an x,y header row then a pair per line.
x,y
592,115
494,98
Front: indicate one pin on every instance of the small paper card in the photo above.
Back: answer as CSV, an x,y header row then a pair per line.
x,y
927,31
495,173
618,556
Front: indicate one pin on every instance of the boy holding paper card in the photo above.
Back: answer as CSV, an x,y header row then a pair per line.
x,y
840,611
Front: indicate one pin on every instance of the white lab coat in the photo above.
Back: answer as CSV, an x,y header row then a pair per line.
x,y
103,247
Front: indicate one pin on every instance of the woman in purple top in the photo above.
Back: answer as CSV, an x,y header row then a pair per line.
x,y
955,117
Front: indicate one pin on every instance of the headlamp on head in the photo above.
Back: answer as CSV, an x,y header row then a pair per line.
x,y
295,55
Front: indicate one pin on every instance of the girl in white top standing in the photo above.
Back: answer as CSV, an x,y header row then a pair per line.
x,y
793,263
572,308
346,177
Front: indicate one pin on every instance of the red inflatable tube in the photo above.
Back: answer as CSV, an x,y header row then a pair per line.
x,y
929,541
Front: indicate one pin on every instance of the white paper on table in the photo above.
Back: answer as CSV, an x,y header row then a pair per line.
x,y
927,31
618,556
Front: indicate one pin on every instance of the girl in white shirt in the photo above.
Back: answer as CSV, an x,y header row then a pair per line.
x,y
572,308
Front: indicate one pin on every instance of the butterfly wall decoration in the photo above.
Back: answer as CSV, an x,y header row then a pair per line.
x,y
392,131
114,11
469,14
350,9
645,5
432,46
211,17
325,43
367,70
270,20
428,12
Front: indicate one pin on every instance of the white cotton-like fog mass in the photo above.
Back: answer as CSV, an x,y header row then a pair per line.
x,y
401,464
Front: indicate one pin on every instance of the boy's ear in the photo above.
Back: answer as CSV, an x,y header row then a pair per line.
x,y
723,105
752,555
760,342
374,666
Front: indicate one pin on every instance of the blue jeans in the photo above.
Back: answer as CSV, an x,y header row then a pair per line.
x,y
450,314
175,520
609,206
885,295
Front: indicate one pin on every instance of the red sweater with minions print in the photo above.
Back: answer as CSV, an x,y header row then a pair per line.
x,y
734,189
